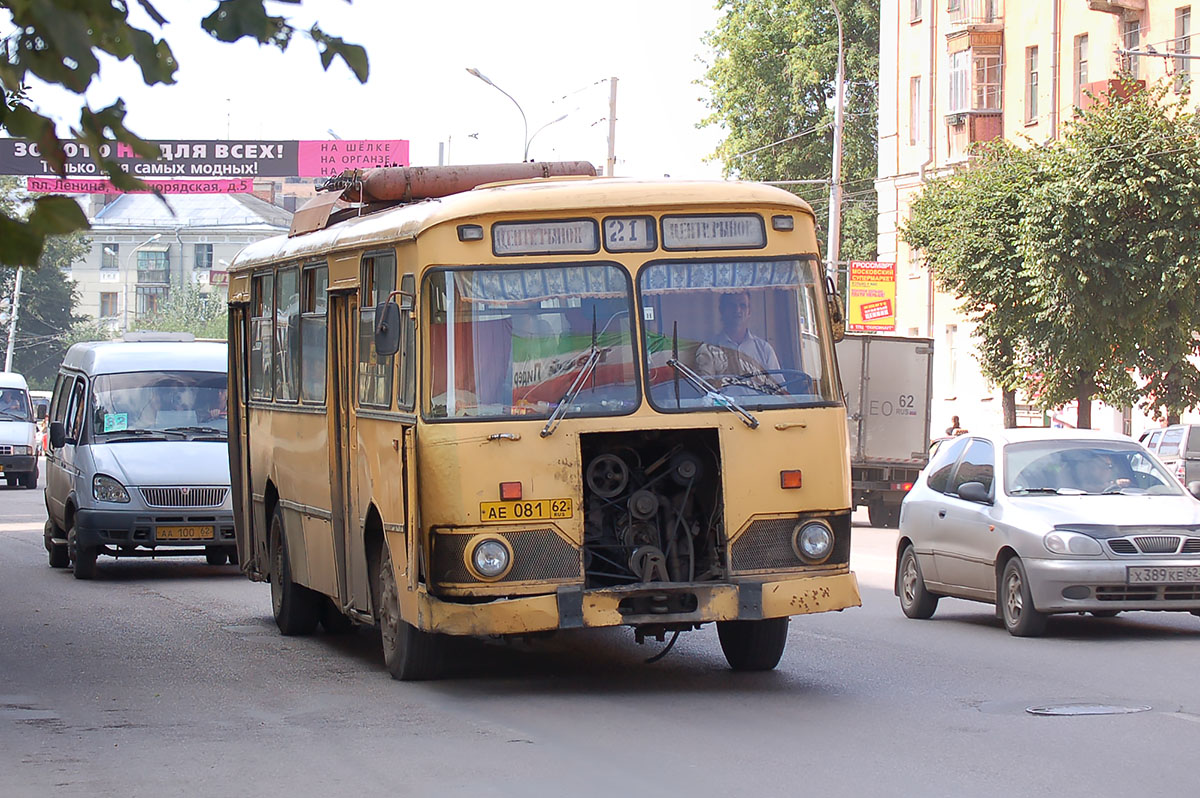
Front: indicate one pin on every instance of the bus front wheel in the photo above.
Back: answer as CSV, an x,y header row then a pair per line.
x,y
409,653
296,608
753,645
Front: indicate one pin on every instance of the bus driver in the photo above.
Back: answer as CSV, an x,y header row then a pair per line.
x,y
735,351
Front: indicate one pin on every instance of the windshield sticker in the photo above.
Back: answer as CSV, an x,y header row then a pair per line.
x,y
115,422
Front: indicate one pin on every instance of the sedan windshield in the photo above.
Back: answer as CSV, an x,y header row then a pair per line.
x,y
1077,467
183,402
754,331
507,343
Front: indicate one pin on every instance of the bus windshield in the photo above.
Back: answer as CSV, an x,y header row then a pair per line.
x,y
750,329
517,340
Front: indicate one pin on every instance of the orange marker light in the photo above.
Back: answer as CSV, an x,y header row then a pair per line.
x,y
510,491
789,479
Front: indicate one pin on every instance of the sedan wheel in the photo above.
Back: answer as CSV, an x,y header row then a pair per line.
x,y
1016,602
915,600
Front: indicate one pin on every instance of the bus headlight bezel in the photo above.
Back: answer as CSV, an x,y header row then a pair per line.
x,y
483,552
812,541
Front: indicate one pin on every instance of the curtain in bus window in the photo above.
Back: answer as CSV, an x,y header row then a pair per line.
x,y
287,335
483,359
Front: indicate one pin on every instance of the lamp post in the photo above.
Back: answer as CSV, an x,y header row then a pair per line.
x,y
524,121
835,185
128,259
539,130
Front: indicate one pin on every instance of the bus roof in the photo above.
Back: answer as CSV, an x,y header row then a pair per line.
x,y
553,195
119,357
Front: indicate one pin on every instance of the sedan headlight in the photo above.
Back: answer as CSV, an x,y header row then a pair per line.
x,y
1061,542
107,489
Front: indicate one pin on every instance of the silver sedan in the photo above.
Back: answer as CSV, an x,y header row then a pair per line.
x,y
1048,521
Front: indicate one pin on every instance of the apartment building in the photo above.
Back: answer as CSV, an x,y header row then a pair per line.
x,y
955,72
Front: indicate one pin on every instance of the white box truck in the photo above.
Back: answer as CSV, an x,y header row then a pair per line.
x,y
887,381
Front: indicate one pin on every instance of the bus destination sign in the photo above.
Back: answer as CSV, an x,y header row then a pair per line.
x,y
568,237
731,231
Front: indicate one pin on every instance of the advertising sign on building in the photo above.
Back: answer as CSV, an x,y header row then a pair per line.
x,y
872,306
207,159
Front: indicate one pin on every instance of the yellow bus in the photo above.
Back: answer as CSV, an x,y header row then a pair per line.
x,y
541,404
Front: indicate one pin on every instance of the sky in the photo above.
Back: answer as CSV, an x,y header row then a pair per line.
x,y
555,58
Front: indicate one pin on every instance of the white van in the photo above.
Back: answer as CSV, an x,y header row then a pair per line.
x,y
138,463
18,432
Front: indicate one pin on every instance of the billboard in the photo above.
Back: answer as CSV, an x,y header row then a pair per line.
x,y
192,159
53,185
872,286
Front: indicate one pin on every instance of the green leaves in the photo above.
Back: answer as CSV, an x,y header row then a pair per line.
x,y
24,238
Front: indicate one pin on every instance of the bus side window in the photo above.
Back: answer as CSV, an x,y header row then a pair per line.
x,y
408,347
287,334
374,371
261,334
313,334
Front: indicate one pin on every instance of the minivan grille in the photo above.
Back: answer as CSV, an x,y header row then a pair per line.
x,y
5,449
184,497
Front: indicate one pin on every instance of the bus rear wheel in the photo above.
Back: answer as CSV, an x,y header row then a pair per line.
x,y
409,653
753,645
296,608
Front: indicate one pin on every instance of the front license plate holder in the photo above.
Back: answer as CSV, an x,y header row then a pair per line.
x,y
1162,574
190,532
525,510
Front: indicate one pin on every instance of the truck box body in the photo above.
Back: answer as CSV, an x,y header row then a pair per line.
x,y
887,382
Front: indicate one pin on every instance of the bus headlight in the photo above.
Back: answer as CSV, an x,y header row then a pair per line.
x,y
107,489
491,558
812,541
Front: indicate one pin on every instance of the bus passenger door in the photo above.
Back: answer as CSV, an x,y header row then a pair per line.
x,y
239,442
343,306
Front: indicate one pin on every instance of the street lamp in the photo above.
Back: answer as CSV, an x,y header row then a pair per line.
x,y
128,259
524,121
835,185
539,130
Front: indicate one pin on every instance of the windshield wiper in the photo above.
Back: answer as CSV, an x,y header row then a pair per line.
x,y
564,404
200,430
144,433
1023,491
12,416
713,394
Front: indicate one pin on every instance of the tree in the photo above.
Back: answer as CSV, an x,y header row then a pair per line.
x,y
772,88
1110,238
59,41
968,226
187,309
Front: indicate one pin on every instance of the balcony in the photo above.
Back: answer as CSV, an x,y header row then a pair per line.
x,y
1116,6
152,276
967,14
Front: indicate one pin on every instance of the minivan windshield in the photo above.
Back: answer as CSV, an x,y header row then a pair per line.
x,y
160,401
14,405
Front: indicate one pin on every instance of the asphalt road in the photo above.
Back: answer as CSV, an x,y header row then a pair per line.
x,y
167,678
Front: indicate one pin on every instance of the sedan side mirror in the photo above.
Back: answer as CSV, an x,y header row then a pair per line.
x,y
974,492
1194,489
58,434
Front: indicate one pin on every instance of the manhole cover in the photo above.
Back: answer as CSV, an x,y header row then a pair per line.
x,y
1085,709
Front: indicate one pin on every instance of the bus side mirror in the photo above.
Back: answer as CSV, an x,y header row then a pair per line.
x,y
387,328
58,434
836,310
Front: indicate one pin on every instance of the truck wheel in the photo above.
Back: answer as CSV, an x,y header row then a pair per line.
x,y
883,515
296,608
409,653
753,645
84,557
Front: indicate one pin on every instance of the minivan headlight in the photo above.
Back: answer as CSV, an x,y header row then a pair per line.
x,y
22,449
1062,542
107,489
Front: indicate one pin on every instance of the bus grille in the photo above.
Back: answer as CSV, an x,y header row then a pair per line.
x,y
184,497
767,545
538,555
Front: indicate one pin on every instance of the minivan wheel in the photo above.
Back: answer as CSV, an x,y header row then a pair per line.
x,y
84,557
215,555
1021,618
59,558
31,479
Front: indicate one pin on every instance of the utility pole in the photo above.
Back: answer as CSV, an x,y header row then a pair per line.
x,y
611,165
835,186
12,322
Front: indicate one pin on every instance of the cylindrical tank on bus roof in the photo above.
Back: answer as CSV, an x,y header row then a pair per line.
x,y
390,183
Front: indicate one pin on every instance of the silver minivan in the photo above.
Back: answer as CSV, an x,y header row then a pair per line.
x,y
138,462
1178,448
18,432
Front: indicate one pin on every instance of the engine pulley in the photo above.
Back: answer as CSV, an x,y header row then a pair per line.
x,y
607,475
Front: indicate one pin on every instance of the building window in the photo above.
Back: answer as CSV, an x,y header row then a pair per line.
x,y
1183,46
204,258
110,254
108,304
1081,67
953,5
152,266
916,111
150,299
1131,39
916,11
975,77
1031,85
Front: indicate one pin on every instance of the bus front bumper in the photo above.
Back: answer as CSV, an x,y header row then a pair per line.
x,y
697,602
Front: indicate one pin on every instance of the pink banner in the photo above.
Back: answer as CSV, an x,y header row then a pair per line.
x,y
45,185
329,158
